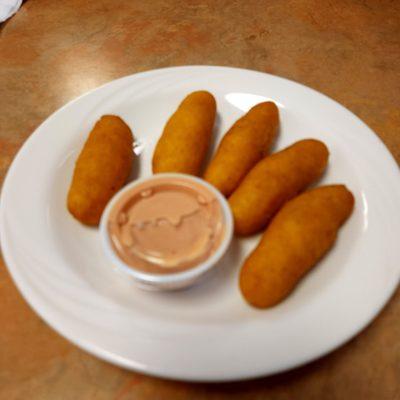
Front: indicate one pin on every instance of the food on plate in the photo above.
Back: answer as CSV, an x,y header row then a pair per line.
x,y
296,239
247,142
166,224
275,180
185,140
101,169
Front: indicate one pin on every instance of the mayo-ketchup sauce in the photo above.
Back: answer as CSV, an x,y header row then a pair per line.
x,y
166,225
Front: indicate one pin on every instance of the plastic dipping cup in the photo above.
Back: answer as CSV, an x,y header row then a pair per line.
x,y
166,231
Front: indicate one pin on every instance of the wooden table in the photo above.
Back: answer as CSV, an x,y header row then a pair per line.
x,y
53,51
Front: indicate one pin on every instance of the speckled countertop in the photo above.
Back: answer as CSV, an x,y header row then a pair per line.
x,y
53,51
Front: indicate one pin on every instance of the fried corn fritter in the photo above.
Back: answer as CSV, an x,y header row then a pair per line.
x,y
186,138
273,181
101,169
247,142
296,239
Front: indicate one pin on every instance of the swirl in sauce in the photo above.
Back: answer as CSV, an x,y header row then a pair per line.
x,y
166,225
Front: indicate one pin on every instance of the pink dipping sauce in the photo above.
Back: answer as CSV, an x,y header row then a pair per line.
x,y
166,225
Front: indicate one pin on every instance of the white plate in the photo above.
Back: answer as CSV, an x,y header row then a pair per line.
x,y
205,333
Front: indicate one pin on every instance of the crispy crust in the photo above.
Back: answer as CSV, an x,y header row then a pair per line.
x,y
247,142
186,138
103,166
297,238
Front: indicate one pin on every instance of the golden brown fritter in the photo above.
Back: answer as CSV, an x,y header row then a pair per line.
x,y
273,181
186,138
296,239
103,166
246,143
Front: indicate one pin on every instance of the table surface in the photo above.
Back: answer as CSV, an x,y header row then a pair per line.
x,y
53,51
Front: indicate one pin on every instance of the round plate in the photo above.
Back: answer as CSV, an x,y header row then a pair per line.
x,y
206,333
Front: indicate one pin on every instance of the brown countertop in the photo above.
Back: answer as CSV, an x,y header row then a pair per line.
x,y
53,51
